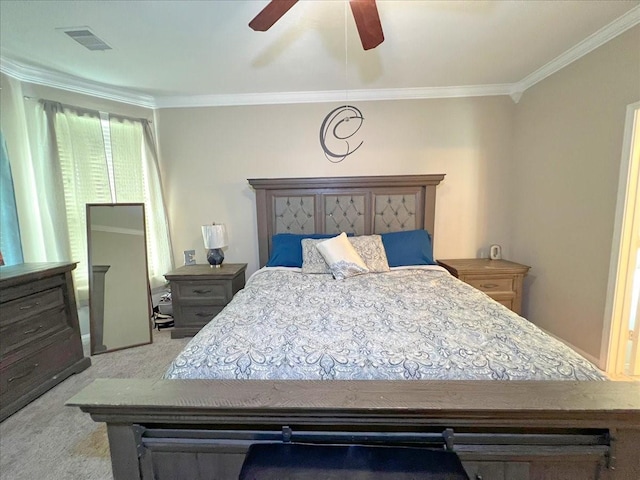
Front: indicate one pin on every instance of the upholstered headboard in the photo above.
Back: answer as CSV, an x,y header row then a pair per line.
x,y
359,205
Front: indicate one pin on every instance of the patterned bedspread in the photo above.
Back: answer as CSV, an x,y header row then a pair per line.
x,y
404,324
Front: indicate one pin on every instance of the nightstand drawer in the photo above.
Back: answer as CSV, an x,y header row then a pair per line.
x,y
507,302
491,284
212,292
198,315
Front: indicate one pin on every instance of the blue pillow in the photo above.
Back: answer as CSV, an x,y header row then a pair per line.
x,y
410,247
286,248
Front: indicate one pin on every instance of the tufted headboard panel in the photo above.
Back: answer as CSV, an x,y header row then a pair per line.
x,y
358,205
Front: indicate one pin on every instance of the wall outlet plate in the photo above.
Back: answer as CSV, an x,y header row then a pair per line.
x,y
189,257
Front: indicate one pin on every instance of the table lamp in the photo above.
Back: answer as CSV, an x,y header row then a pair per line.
x,y
215,237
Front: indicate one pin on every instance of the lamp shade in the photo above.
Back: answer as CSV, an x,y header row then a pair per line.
x,y
214,236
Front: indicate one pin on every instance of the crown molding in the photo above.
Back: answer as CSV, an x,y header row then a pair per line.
x,y
48,78
593,41
38,76
333,96
32,74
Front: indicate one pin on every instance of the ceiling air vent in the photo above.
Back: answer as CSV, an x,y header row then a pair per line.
x,y
87,39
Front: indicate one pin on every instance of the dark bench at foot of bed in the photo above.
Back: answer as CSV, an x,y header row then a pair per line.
x,y
282,461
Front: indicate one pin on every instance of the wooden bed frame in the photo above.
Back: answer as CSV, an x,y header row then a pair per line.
x,y
197,429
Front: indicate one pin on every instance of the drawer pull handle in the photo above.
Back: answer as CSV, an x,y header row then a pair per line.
x,y
27,307
25,374
489,285
203,314
478,476
33,330
201,292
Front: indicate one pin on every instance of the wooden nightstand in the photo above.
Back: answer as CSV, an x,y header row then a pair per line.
x,y
200,292
500,279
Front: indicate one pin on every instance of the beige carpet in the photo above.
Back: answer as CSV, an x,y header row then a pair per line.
x,y
48,441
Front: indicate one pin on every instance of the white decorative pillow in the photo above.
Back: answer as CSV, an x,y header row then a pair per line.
x,y
369,247
371,250
342,258
312,260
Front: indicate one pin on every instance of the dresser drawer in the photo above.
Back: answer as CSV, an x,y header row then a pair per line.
x,y
491,284
32,305
198,315
17,292
20,377
25,333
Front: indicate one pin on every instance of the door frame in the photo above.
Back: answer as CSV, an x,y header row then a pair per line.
x,y
615,326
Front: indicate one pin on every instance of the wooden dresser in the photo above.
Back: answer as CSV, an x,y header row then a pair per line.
x,y
200,292
500,279
40,342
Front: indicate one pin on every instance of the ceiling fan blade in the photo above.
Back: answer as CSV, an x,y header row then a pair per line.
x,y
365,13
271,14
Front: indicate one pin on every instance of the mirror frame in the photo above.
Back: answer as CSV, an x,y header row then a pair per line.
x,y
92,327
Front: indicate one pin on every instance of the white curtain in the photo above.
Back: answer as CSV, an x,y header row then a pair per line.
x,y
83,167
136,179
160,252
38,187
22,169
78,157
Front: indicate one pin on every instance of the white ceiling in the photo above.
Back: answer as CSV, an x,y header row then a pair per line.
x,y
172,53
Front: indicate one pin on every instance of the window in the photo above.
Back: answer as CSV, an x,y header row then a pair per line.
x,y
106,158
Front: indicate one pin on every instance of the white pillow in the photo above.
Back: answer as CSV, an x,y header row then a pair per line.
x,y
342,258
369,247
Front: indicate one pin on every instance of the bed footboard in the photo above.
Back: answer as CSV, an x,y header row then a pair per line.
x,y
170,429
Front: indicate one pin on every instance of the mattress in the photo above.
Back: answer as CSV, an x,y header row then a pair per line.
x,y
406,324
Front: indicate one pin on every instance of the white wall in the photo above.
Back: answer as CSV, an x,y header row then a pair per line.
x,y
567,153
207,154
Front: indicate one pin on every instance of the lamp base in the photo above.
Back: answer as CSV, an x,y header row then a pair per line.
x,y
215,257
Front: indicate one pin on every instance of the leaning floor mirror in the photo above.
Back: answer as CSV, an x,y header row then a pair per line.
x,y
119,295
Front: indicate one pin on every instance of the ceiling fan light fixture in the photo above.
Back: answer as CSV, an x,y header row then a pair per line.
x,y
271,14
365,14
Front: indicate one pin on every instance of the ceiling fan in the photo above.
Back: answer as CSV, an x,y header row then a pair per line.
x,y
365,14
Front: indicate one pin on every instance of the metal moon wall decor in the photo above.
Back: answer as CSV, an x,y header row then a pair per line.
x,y
340,125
